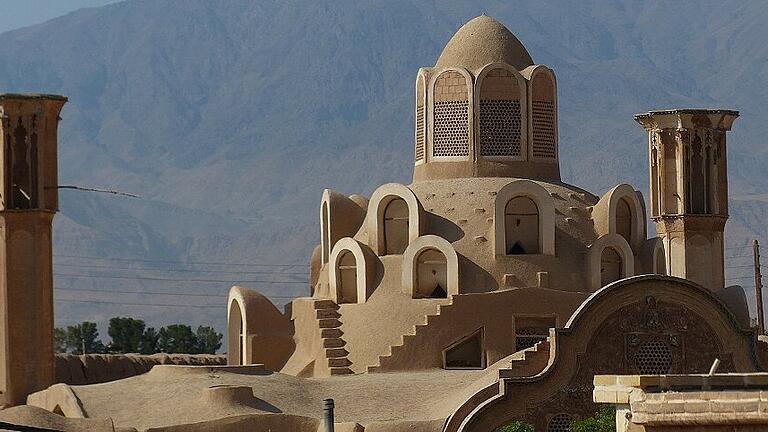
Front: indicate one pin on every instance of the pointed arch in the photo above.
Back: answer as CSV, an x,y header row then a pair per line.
x,y
522,210
621,211
450,119
500,98
439,252
609,255
377,212
420,118
542,114
352,273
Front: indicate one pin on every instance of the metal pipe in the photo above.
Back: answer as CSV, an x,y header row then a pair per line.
x,y
328,415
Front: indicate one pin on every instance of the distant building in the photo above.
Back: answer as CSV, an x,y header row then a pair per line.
x,y
487,290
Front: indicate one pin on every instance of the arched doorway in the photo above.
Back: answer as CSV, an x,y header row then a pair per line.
x,y
235,335
610,266
431,275
347,278
396,227
521,219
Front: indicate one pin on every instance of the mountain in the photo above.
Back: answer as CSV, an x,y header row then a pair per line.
x,y
229,117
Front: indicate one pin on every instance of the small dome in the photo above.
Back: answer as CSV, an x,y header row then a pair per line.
x,y
481,41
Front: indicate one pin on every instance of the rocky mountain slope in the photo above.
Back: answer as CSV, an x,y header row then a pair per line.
x,y
229,117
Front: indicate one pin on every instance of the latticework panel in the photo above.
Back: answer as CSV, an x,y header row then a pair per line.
x,y
451,130
500,128
420,129
653,358
543,124
529,336
560,423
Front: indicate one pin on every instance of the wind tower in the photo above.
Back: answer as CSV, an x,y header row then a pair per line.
x,y
689,189
28,201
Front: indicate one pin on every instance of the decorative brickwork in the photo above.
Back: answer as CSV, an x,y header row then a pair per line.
x,y
500,128
544,137
451,136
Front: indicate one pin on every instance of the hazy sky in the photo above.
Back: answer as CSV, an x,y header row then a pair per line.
x,y
22,13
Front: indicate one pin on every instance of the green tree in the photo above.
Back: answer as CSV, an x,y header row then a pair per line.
x,y
177,339
60,340
603,421
149,341
83,338
516,426
208,340
126,334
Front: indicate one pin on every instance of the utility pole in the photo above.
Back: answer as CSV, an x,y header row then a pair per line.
x,y
758,288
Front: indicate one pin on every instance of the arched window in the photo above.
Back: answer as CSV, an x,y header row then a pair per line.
x,y
543,117
347,282
624,220
236,335
521,221
501,119
431,275
326,231
396,227
697,187
450,136
611,266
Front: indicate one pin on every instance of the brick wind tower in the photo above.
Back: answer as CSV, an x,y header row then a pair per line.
x,y
689,189
28,201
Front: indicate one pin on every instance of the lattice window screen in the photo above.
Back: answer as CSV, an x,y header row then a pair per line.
x,y
420,129
653,358
500,128
560,423
451,130
544,138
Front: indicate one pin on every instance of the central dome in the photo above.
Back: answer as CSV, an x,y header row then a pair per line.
x,y
482,41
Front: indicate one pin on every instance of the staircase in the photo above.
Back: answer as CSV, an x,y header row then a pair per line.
x,y
405,340
327,313
527,362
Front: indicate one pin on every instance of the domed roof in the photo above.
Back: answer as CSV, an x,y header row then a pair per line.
x,y
481,41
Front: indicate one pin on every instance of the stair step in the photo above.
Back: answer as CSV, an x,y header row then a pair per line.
x,y
329,323
341,371
331,333
336,352
327,313
333,343
338,362
326,304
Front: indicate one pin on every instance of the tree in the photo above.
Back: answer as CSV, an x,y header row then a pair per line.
x,y
83,338
126,334
177,339
603,421
516,426
60,340
149,341
208,340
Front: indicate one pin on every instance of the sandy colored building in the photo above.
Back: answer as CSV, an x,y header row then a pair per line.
x,y
487,290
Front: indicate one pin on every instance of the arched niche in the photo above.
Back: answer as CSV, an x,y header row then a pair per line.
x,y
544,205
652,258
542,114
621,211
236,340
340,216
420,117
604,254
450,119
377,212
500,93
427,254
352,272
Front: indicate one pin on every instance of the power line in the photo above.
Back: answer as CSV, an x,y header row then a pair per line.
x,y
143,304
178,262
177,280
164,293
275,272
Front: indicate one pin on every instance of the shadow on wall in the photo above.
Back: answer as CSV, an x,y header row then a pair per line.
x,y
444,228
475,279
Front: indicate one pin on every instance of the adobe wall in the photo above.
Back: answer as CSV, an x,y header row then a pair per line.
x,y
100,368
